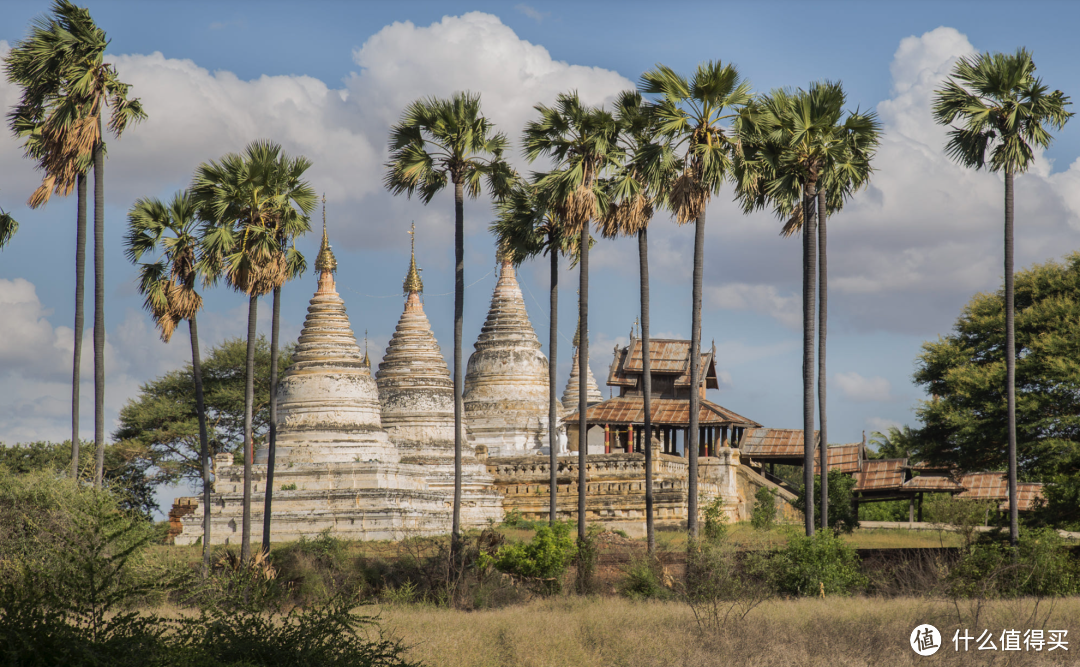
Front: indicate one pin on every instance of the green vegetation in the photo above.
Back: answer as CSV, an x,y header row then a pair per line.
x,y
545,558
842,517
763,516
822,564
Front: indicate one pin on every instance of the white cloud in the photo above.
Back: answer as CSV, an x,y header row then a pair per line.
x,y
880,424
860,389
759,298
532,12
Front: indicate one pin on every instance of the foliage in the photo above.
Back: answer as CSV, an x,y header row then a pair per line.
x,y
842,516
643,579
714,527
1040,566
886,510
964,515
546,557
722,584
129,475
965,423
763,515
812,565
895,443
162,422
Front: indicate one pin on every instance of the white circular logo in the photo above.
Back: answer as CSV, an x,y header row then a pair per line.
x,y
925,640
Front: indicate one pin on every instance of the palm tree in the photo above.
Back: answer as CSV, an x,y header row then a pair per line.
x,y
691,114
292,225
168,286
1006,109
582,142
8,227
629,213
66,84
527,226
799,142
439,141
247,200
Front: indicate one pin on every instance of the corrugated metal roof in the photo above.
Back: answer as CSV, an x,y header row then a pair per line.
x,y
881,475
665,411
995,486
935,483
666,357
766,443
845,458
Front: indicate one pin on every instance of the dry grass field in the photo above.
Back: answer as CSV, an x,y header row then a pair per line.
x,y
594,632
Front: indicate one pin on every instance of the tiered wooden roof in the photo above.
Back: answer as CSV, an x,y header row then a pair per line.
x,y
995,486
666,357
845,458
665,412
775,445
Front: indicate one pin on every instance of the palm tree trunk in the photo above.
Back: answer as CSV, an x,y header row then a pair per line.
x,y
809,274
553,405
583,375
80,288
204,446
1010,357
275,326
249,401
646,367
459,374
695,375
823,308
99,312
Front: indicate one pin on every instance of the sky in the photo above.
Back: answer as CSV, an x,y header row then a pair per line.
x,y
328,79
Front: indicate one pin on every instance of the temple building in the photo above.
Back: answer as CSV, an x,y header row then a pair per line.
x,y
417,396
506,383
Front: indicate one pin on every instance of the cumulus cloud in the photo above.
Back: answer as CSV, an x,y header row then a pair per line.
x,y
860,389
532,12
759,298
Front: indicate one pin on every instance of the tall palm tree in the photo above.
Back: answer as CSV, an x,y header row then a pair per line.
x,y
582,141
246,200
632,200
527,226
292,224
66,84
1004,109
439,141
8,227
168,287
693,114
802,157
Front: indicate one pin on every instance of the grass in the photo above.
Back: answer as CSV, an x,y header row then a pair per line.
x,y
569,631
746,537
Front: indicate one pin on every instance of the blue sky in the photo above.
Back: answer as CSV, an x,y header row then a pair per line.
x,y
327,80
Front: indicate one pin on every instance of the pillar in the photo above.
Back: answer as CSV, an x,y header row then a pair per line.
x,y
920,506
911,510
629,438
607,439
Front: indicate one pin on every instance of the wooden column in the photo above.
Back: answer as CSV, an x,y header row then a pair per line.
x,y
920,506
629,438
607,439
911,509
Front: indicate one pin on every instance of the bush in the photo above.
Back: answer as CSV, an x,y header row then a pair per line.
x,y
643,579
809,566
842,516
1041,566
719,585
545,558
714,525
763,516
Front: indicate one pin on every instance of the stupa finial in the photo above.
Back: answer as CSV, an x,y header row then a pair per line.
x,y
367,359
412,278
325,261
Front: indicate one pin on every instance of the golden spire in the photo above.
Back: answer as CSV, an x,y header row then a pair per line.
x,y
325,260
366,359
412,278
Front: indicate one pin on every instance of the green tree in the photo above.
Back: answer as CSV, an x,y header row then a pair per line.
x,y
965,422
843,517
168,287
439,141
693,115
1004,109
895,443
66,87
8,227
802,157
163,418
527,226
582,143
252,202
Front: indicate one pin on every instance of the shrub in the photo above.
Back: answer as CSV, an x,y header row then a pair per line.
x,y
763,516
719,587
1041,566
714,521
643,579
545,558
812,565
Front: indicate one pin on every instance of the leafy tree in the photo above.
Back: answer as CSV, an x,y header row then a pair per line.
x,y
1006,109
253,203
965,422
895,443
582,142
439,141
802,157
168,285
8,227
163,419
692,114
66,87
843,517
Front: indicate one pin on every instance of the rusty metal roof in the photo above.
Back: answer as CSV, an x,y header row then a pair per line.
x,y
845,458
766,443
882,475
665,411
666,357
936,483
995,486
